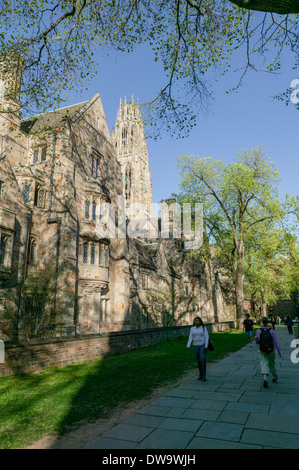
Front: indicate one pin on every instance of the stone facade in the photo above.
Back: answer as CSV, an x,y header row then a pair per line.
x,y
63,179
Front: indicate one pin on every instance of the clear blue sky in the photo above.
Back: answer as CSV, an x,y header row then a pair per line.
x,y
244,120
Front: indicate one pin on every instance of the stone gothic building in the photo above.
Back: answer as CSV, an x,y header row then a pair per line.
x,y
65,182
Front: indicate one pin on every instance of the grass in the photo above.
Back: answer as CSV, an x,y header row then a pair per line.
x,y
54,401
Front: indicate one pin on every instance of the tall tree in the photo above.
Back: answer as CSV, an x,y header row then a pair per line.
x,y
271,265
58,41
237,197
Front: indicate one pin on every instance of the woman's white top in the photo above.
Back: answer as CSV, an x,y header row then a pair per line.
x,y
199,336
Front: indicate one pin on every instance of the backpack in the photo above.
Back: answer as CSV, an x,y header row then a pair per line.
x,y
266,341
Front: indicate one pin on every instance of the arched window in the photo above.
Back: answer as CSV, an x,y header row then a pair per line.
x,y
128,182
86,210
124,136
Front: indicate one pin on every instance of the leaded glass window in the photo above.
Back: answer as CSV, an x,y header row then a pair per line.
x,y
92,253
87,206
94,209
41,198
85,253
35,156
26,192
104,255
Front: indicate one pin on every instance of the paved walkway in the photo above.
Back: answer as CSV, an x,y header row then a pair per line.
x,y
231,410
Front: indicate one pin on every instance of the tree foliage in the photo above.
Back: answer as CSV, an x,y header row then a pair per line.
x,y
239,198
271,265
60,42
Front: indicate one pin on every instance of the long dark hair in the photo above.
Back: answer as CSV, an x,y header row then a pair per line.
x,y
198,318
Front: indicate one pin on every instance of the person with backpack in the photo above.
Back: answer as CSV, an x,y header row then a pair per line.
x,y
199,336
267,340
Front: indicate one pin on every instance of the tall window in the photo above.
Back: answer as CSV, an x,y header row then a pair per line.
x,y
128,182
26,192
92,253
2,249
124,137
85,253
86,209
94,210
39,197
132,135
95,165
35,156
43,154
103,255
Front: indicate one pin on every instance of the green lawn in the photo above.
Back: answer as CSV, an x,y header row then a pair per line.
x,y
57,399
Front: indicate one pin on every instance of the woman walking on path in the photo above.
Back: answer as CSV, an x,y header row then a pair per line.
x,y
199,336
267,340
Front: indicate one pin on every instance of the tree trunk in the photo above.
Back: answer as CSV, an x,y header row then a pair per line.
x,y
239,285
264,305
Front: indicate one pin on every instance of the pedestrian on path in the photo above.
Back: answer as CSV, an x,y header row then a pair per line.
x,y
273,321
267,340
289,323
199,336
248,328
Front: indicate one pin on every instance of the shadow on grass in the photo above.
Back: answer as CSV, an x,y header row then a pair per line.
x,y
120,380
57,400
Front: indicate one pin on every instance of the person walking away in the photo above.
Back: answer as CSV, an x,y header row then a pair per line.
x,y
248,328
273,321
289,323
199,336
267,340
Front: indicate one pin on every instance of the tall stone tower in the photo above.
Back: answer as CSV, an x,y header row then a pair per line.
x,y
131,148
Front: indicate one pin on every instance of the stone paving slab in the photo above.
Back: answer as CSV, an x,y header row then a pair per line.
x,y
128,432
231,410
225,396
233,416
219,430
105,443
277,440
145,420
159,439
174,402
205,415
217,405
181,424
204,443
279,423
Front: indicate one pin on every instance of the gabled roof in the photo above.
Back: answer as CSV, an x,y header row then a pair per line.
x,y
56,118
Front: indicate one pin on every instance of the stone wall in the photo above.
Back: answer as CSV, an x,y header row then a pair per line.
x,y
24,357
